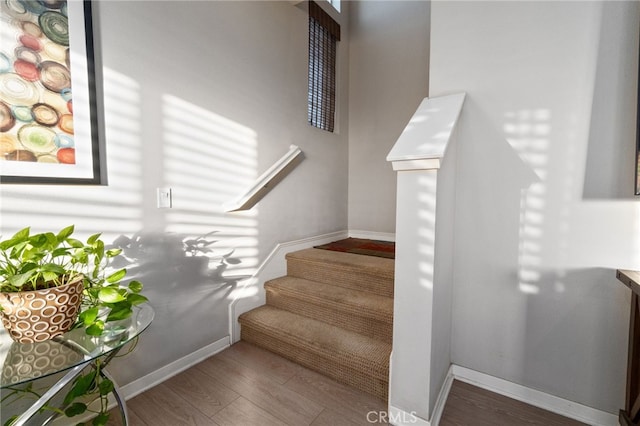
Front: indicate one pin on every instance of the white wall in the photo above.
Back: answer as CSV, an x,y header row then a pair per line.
x,y
201,97
551,91
388,66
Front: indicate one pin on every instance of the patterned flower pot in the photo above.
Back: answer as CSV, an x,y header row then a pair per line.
x,y
39,315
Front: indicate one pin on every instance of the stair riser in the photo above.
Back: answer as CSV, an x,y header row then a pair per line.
x,y
339,276
376,329
340,373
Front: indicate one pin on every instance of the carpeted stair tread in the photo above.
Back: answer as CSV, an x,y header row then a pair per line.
x,y
355,271
333,345
357,302
368,264
358,311
340,372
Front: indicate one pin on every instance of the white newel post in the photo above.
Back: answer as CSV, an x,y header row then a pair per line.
x,y
424,245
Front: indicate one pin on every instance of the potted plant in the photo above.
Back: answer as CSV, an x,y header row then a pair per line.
x,y
50,283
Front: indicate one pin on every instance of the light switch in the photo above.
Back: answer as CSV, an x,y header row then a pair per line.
x,y
164,198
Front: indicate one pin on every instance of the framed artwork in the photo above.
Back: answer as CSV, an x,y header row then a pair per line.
x,y
638,154
48,117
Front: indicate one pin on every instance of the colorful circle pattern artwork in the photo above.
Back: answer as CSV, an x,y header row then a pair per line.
x,y
39,315
36,103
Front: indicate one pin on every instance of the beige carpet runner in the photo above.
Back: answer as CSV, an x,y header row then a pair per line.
x,y
333,313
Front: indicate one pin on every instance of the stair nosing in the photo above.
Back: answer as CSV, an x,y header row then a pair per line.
x,y
300,255
360,309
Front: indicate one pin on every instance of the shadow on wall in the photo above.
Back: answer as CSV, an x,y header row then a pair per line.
x,y
611,152
492,182
493,178
181,254
188,285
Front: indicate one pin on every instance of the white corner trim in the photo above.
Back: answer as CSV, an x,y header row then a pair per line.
x,y
160,375
441,401
398,417
534,397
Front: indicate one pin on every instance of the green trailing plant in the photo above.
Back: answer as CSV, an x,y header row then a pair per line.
x,y
44,260
91,383
87,389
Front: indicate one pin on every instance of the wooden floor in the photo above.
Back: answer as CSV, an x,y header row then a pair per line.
x,y
470,405
247,386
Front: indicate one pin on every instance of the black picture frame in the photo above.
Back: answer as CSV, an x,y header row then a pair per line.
x,y
637,163
61,154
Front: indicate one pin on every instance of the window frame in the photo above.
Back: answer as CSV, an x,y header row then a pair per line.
x,y
324,34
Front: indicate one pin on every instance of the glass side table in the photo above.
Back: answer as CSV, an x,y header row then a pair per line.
x,y
21,363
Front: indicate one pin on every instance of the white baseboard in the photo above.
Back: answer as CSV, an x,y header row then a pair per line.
x,y
251,294
160,375
441,401
573,410
534,397
370,235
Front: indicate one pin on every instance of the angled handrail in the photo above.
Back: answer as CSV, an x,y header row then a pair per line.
x,y
265,182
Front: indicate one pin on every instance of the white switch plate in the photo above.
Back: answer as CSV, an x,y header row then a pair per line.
x,y
164,198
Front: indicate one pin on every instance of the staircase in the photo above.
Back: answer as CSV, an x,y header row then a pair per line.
x,y
332,313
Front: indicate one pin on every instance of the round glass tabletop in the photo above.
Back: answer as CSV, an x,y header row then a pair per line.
x,y
24,362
